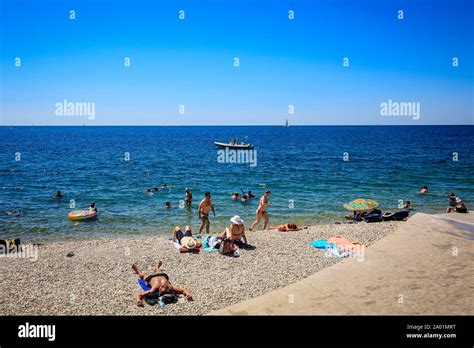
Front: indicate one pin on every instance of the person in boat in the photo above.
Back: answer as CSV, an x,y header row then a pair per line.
x,y
424,189
59,194
186,240
235,196
407,205
245,198
203,212
93,207
168,205
456,204
236,230
233,141
262,210
158,282
188,196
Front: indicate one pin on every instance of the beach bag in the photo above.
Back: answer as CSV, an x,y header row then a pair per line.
x,y
226,247
169,298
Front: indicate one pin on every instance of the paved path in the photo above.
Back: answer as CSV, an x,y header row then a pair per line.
x,y
425,267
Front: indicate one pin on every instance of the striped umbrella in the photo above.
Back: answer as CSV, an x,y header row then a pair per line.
x,y
361,204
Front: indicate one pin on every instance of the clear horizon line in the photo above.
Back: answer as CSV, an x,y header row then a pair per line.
x,y
239,125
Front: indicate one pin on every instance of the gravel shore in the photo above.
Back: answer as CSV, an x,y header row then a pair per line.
x,y
98,280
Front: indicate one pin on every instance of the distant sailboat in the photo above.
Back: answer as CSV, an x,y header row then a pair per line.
x,y
286,124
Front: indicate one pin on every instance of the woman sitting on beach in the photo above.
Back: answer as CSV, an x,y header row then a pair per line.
x,y
236,230
158,282
186,240
456,204
235,196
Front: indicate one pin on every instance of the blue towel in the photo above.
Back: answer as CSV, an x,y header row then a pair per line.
x,y
322,244
143,284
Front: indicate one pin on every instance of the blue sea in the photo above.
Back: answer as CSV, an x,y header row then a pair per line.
x,y
303,166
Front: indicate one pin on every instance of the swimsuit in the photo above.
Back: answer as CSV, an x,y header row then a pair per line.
x,y
150,277
180,235
204,217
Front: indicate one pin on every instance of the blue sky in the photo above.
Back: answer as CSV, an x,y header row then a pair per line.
x,y
282,61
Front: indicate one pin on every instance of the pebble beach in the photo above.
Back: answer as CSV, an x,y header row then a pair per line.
x,y
97,279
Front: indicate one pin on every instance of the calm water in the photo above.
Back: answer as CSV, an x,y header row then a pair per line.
x,y
302,164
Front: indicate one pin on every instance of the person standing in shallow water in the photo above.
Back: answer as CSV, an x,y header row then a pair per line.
x,y
188,197
262,211
203,212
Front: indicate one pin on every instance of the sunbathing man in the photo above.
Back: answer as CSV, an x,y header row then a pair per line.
x,y
262,210
158,282
236,230
203,212
186,240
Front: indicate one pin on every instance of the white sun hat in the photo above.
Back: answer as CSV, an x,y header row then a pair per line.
x,y
237,220
190,244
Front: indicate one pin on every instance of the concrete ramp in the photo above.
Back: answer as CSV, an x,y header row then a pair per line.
x,y
425,267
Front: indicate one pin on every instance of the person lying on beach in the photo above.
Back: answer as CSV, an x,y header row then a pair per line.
x,y
203,212
456,204
262,210
236,230
424,190
59,194
158,282
359,215
186,240
235,196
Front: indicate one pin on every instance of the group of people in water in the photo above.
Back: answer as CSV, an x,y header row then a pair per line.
x,y
246,196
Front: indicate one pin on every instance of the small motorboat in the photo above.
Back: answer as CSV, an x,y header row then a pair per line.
x,y
234,144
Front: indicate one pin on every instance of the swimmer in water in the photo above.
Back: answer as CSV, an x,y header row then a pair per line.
x,y
235,196
424,189
168,205
59,194
188,196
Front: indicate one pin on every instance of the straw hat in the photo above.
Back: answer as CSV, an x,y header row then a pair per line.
x,y
237,220
190,244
